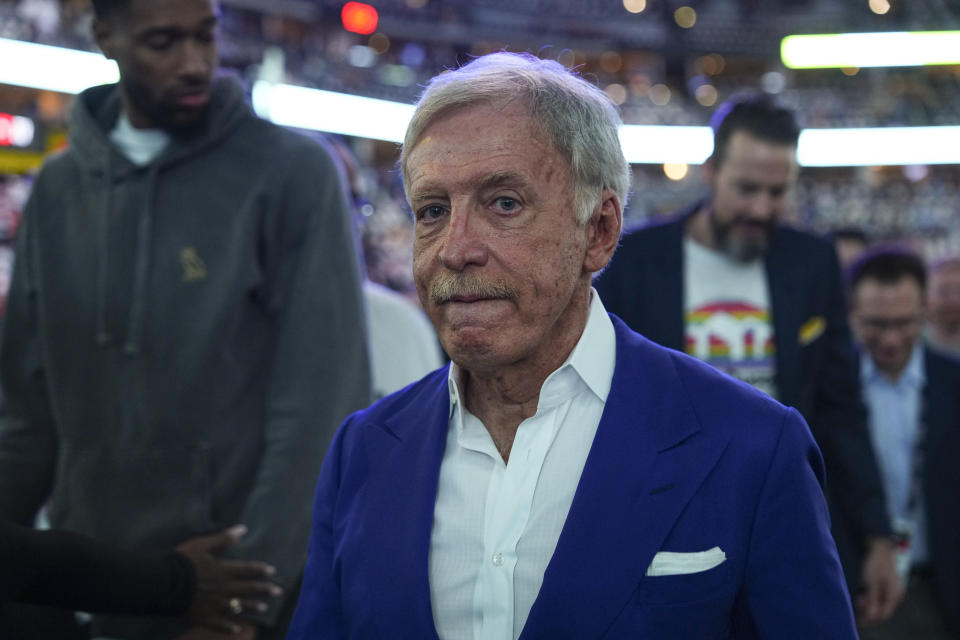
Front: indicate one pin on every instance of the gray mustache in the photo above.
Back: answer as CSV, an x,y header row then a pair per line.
x,y
447,286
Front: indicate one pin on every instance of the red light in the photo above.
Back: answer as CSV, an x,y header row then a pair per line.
x,y
16,131
6,130
359,18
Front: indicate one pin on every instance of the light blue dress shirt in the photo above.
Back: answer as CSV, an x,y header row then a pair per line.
x,y
894,421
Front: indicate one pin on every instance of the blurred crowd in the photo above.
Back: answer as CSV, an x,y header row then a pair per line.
x,y
314,50
287,300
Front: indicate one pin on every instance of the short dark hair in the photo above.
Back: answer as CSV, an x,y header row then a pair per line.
x,y
887,264
103,9
758,114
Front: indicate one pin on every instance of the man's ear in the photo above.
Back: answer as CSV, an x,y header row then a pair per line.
x,y
102,35
603,232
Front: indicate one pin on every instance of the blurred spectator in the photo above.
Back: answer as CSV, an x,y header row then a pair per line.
x,y
12,197
728,284
388,246
943,305
913,395
44,15
849,243
71,571
403,344
184,329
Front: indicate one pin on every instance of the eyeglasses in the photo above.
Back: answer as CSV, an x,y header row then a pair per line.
x,y
880,325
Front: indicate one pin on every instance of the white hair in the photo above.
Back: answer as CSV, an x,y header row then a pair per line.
x,y
578,118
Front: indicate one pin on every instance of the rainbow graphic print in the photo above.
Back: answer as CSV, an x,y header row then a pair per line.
x,y
735,337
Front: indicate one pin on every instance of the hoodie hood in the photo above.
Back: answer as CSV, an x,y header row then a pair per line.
x,y
96,111
94,115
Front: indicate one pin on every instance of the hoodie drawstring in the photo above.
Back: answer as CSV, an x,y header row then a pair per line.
x,y
103,251
141,270
142,265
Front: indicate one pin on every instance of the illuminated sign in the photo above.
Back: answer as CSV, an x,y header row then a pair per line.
x,y
886,49
16,131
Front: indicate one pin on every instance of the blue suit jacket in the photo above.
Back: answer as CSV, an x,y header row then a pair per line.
x,y
684,459
816,371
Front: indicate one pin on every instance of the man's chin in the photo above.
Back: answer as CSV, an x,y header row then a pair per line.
x,y
746,250
185,120
473,350
474,357
741,241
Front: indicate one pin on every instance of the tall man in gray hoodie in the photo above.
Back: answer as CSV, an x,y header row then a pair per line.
x,y
184,327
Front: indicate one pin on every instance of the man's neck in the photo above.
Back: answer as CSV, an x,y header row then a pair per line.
x,y
504,398
136,118
698,228
892,376
895,375
501,405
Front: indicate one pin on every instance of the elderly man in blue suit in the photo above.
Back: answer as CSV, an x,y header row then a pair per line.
x,y
563,477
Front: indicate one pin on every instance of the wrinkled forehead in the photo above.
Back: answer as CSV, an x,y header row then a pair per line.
x,y
480,136
517,110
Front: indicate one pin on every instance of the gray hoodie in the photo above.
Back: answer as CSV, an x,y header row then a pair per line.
x,y
181,338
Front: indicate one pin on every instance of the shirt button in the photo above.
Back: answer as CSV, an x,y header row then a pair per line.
x,y
497,559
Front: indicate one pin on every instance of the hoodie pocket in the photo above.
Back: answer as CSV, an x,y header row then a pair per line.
x,y
145,497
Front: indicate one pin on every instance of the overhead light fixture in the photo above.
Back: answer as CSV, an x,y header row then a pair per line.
x,y
70,71
342,113
887,49
40,66
652,144
868,147
305,108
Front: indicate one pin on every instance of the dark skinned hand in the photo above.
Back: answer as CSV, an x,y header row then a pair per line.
x,y
226,588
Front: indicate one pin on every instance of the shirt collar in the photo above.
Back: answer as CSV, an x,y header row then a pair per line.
x,y
913,374
591,363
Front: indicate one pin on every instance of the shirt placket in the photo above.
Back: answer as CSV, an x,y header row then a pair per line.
x,y
508,506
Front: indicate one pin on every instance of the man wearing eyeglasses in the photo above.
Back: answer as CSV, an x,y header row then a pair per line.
x,y
913,397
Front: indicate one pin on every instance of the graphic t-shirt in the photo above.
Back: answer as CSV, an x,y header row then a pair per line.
x,y
728,321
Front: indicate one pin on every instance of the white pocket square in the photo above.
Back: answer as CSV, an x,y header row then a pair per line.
x,y
672,563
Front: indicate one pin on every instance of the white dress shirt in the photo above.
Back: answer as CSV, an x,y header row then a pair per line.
x,y
496,525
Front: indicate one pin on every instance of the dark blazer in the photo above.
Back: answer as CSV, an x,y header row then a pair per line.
x,y
816,369
941,479
684,459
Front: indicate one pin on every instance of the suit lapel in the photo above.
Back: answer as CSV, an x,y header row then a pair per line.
x,y
664,289
785,279
407,450
647,460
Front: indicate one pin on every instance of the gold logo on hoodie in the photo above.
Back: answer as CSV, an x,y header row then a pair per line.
x,y
193,266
